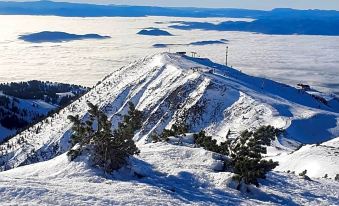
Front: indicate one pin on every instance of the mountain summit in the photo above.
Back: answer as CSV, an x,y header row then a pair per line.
x,y
170,88
207,96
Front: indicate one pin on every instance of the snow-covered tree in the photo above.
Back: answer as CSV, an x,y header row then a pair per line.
x,y
109,149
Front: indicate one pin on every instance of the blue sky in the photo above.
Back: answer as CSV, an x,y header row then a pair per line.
x,y
251,4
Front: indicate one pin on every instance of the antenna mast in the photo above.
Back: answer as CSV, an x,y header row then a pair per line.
x,y
226,55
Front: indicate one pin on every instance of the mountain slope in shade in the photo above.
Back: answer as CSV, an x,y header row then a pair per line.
x,y
169,87
25,103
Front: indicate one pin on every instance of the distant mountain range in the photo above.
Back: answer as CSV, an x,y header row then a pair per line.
x,y
281,21
92,10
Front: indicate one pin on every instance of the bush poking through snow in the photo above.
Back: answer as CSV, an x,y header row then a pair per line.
x,y
210,144
177,130
246,154
109,149
336,177
303,173
155,138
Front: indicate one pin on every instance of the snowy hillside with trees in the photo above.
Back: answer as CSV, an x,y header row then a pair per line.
x,y
168,175
203,125
25,103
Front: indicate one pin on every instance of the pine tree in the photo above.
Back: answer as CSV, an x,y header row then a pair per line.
x,y
247,156
177,130
210,144
303,173
109,149
82,133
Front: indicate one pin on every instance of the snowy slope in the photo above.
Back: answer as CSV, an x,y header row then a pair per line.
x,y
172,175
168,87
318,160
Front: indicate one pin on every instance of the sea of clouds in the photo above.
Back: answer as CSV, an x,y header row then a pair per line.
x,y
286,58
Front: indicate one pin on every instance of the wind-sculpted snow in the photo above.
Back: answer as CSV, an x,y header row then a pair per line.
x,y
169,88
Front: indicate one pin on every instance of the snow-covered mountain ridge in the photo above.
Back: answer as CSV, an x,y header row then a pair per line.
x,y
169,87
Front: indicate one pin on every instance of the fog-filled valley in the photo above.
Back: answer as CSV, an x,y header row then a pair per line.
x,y
289,59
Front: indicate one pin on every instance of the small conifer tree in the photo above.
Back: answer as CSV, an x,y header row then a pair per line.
x,y
303,173
210,144
246,154
109,149
177,130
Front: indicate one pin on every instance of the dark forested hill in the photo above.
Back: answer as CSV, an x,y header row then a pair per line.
x,y
24,103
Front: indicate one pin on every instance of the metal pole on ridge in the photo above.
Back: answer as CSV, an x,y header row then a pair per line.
x,y
226,56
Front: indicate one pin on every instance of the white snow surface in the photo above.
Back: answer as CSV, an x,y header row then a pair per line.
x,y
172,175
318,160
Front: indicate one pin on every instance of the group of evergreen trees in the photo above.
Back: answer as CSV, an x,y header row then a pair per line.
x,y
15,116
177,130
108,149
46,91
245,152
11,116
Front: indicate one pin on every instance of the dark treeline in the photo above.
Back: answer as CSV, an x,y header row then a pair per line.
x,y
46,91
15,116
